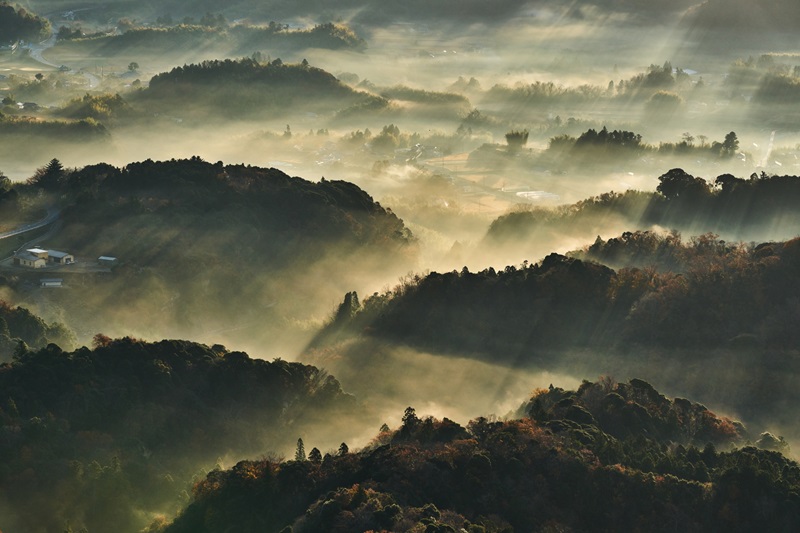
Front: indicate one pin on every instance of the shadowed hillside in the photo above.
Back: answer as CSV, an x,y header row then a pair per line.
x,y
207,247
561,470
104,439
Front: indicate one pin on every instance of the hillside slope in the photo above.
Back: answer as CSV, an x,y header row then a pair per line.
x,y
208,247
110,437
563,471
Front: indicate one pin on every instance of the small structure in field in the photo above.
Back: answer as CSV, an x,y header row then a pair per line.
x,y
106,260
60,258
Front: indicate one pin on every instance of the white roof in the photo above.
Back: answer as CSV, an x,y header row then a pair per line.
x,y
106,258
37,251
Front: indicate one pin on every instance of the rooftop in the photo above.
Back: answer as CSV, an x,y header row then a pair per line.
x,y
28,256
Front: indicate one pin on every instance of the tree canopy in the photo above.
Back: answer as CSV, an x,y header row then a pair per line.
x,y
18,23
630,468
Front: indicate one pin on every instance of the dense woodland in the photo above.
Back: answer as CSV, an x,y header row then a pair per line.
x,y
247,88
16,23
106,438
21,330
686,311
518,313
646,462
193,196
737,208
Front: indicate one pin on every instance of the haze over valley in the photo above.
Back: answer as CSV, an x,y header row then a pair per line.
x,y
423,266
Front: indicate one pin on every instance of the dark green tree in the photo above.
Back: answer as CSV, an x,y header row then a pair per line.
x,y
315,456
730,145
300,451
349,307
677,182
516,139
410,419
49,176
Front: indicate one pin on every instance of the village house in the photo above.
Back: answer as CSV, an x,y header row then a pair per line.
x,y
29,260
39,258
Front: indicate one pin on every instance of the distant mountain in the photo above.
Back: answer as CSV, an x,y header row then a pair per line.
x,y
360,12
246,88
108,438
563,470
224,40
372,13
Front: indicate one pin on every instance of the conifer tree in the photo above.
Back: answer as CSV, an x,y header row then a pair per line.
x,y
300,452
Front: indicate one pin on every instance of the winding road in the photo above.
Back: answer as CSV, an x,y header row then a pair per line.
x,y
52,216
36,51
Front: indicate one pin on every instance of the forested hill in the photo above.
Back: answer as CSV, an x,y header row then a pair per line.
x,y
212,35
107,438
223,198
758,208
206,246
17,23
521,313
246,88
725,311
21,330
562,470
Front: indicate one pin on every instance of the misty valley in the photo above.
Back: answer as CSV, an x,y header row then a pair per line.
x,y
469,267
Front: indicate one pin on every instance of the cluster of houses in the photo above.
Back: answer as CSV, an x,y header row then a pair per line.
x,y
34,258
39,258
